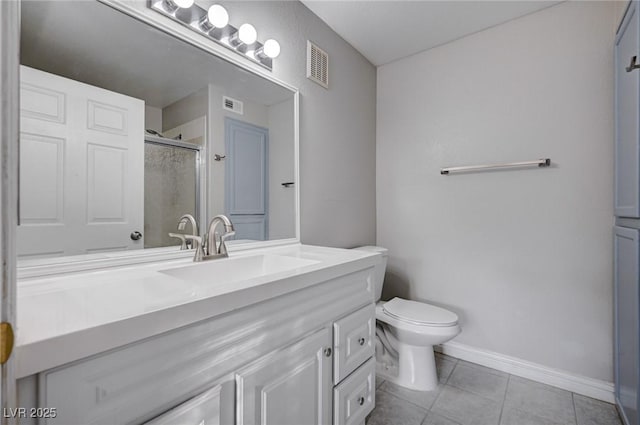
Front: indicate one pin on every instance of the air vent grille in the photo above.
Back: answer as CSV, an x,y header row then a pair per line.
x,y
317,65
232,105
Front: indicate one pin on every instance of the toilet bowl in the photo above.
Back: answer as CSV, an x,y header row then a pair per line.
x,y
406,332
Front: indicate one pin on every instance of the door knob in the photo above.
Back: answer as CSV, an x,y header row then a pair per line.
x,y
633,65
136,236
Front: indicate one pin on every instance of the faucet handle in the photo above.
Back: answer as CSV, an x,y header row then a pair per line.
x,y
197,240
182,238
222,247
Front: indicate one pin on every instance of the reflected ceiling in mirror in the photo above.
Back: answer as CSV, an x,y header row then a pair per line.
x,y
125,128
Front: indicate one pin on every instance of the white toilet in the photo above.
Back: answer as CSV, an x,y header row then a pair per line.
x,y
406,333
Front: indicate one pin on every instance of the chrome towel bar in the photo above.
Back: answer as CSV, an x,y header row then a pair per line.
x,y
540,163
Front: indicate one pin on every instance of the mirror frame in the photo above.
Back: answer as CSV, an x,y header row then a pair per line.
x,y
141,12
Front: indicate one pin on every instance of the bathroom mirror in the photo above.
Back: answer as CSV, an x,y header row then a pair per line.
x,y
125,128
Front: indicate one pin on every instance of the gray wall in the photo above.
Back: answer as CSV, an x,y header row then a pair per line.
x,y
282,220
152,118
523,256
186,109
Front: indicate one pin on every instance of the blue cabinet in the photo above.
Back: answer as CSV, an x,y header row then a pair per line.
x,y
626,278
627,152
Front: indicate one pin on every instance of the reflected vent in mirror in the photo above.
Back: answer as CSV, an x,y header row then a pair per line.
x,y
232,105
317,65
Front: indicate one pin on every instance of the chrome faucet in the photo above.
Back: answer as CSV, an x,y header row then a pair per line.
x,y
212,249
219,249
182,223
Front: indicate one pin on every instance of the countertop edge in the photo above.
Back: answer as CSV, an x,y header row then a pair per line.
x,y
38,356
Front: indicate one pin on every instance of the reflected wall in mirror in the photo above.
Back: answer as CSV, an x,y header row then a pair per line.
x,y
125,128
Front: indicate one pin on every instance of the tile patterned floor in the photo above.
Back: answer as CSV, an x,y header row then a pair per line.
x,y
469,394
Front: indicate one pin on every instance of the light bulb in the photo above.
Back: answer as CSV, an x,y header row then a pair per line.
x,y
218,16
271,48
185,4
247,34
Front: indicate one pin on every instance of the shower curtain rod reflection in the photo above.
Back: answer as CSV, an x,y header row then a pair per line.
x,y
540,163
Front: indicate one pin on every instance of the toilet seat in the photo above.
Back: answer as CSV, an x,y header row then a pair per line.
x,y
417,313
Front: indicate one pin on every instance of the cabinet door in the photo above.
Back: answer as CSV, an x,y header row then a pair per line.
x,y
355,397
201,410
627,174
627,259
291,386
353,338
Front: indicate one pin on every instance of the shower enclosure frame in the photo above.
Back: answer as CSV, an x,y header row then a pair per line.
x,y
199,150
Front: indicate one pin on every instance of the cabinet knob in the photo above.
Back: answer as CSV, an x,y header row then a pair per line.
x,y
327,352
361,401
361,341
135,236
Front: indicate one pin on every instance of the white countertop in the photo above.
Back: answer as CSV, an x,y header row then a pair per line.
x,y
71,316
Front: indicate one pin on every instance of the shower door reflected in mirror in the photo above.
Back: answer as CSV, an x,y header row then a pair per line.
x,y
171,188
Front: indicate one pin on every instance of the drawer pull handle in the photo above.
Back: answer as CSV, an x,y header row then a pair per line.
x,y
361,341
361,401
327,352
633,65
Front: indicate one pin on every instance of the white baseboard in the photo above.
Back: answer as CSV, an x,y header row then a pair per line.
x,y
594,388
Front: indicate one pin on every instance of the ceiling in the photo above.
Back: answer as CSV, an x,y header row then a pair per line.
x,y
97,45
385,31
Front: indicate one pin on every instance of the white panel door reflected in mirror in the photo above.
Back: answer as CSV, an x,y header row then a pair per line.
x,y
120,125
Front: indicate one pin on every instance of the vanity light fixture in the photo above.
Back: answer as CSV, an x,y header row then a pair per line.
x,y
173,5
247,34
213,23
216,17
270,49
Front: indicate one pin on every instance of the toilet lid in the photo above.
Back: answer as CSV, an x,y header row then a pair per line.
x,y
419,313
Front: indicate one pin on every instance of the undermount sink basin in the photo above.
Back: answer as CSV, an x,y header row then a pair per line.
x,y
236,269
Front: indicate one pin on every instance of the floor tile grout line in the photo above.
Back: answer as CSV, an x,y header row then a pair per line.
x,y
455,365
575,411
476,393
424,418
399,397
411,402
466,390
504,399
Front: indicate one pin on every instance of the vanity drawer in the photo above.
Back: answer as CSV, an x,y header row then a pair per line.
x,y
200,410
353,339
355,397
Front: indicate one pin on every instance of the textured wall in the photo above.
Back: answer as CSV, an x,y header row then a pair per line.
x,y
523,256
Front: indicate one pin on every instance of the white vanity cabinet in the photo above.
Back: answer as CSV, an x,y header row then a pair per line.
x,y
353,338
289,387
292,359
201,410
354,398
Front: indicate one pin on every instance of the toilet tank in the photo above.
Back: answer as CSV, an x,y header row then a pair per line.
x,y
380,268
